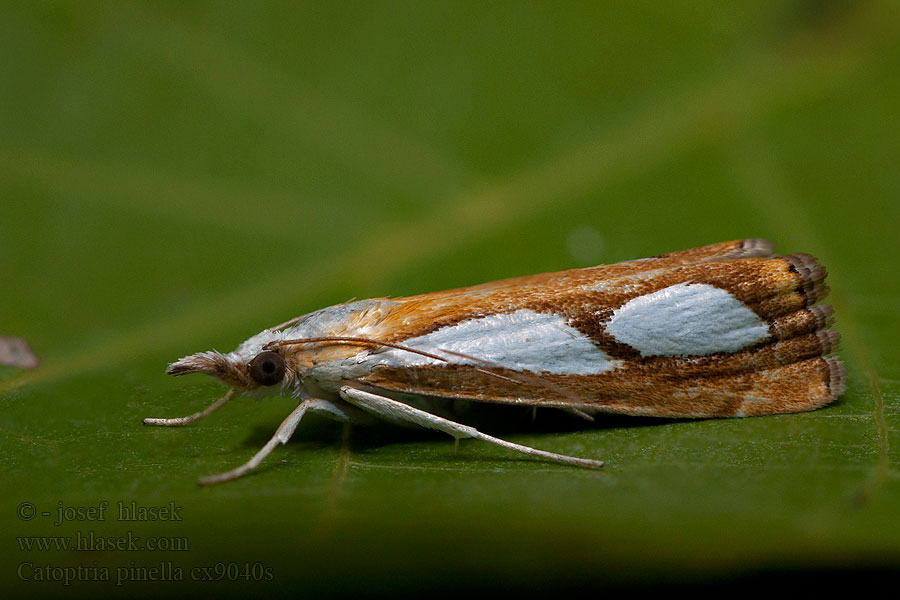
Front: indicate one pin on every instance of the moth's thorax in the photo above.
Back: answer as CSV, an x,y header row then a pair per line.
x,y
320,366
316,366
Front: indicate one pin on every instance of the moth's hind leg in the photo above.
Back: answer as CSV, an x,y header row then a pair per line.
x,y
333,410
393,410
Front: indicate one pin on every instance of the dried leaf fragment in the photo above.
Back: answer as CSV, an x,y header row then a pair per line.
x,y
15,352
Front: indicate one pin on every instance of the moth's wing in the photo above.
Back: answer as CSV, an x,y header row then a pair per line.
x,y
719,337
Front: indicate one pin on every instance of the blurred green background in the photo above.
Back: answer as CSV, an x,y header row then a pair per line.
x,y
177,176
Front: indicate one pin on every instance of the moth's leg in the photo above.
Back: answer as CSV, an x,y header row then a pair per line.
x,y
568,409
398,411
578,413
179,421
325,408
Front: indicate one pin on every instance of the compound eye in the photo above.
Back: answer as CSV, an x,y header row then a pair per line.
x,y
267,368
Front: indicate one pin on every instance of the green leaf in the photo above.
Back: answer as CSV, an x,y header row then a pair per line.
x,y
177,177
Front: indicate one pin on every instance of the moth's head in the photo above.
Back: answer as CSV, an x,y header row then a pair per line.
x,y
267,368
248,367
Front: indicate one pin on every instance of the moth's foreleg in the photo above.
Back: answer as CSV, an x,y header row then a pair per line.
x,y
284,432
179,421
398,411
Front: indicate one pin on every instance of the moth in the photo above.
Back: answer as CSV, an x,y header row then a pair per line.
x,y
725,330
